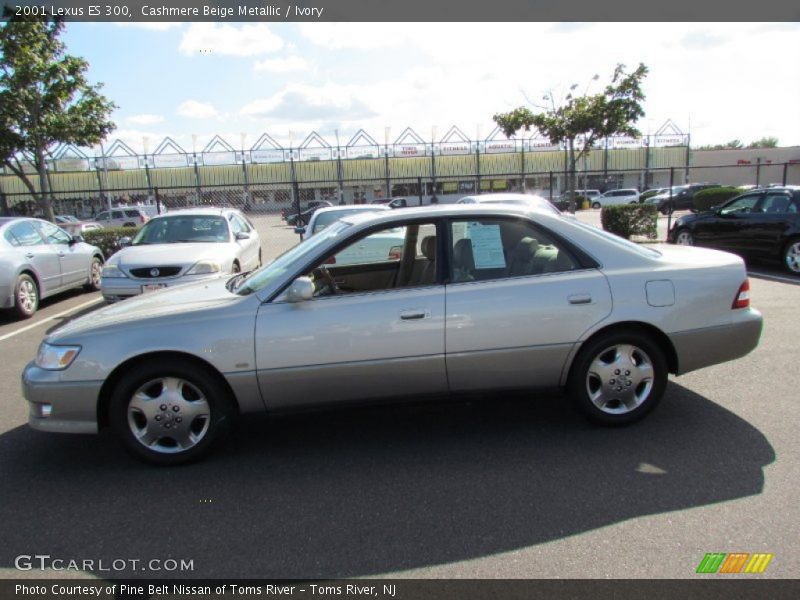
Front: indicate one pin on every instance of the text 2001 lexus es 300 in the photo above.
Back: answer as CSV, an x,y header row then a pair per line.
x,y
472,297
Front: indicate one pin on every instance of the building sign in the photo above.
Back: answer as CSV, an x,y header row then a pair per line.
x,y
542,145
500,147
410,150
626,142
669,140
450,148
270,155
362,152
218,158
170,160
315,154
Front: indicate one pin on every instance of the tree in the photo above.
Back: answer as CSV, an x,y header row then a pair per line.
x,y
580,121
732,145
45,101
765,142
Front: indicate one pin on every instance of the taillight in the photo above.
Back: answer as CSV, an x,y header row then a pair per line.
x,y
742,299
143,218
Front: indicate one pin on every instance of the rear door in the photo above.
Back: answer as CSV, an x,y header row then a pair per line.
x,y
74,258
517,301
769,225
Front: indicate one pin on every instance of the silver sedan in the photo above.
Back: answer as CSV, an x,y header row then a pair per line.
x,y
478,297
38,259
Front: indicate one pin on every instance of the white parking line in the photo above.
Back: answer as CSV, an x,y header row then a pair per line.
x,y
794,280
56,316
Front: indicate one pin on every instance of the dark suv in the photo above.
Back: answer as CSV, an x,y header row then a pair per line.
x,y
682,197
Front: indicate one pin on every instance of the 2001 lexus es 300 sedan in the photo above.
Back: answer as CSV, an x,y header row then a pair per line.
x,y
479,297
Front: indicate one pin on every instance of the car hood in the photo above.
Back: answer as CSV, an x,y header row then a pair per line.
x,y
169,254
179,300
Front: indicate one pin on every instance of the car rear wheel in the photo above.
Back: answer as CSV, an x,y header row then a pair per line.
x,y
618,378
665,209
26,297
168,414
95,272
791,256
595,205
684,238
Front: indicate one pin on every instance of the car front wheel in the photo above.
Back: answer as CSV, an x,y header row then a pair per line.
x,y
596,205
618,378
684,238
791,256
170,412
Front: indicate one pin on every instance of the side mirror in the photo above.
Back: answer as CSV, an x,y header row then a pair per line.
x,y
301,289
76,239
124,241
300,230
242,235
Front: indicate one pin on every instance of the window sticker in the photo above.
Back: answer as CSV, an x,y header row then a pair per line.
x,y
487,245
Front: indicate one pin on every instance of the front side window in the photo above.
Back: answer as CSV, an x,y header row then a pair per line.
x,y
389,258
488,249
743,204
54,235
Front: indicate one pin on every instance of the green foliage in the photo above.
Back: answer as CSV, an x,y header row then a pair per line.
x,y
705,199
765,142
108,239
590,116
732,145
45,100
626,220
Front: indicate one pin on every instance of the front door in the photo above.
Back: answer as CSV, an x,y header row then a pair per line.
x,y
373,329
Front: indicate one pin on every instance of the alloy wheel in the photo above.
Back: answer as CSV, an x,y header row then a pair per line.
x,y
791,257
620,378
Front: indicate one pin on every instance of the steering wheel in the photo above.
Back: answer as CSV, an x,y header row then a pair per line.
x,y
328,283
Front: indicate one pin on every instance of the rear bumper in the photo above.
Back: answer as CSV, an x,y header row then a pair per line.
x,y
700,348
57,406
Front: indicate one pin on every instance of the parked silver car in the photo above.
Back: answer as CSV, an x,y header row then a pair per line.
x,y
482,297
182,247
38,259
323,217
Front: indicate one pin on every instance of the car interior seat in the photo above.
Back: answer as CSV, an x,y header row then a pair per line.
x,y
463,261
428,247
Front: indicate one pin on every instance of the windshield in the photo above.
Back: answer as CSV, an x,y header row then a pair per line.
x,y
326,218
269,273
181,229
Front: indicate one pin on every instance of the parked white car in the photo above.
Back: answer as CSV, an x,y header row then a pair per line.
x,y
182,247
323,217
621,196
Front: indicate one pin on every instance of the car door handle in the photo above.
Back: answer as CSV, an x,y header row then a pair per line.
x,y
30,255
580,299
61,254
413,314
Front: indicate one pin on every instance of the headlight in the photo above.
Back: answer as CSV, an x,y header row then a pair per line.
x,y
204,267
112,271
56,358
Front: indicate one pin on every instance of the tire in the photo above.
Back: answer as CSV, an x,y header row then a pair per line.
x,y
26,297
596,205
235,267
790,257
170,412
684,237
665,209
632,361
95,271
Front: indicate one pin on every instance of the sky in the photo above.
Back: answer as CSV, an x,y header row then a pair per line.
x,y
716,81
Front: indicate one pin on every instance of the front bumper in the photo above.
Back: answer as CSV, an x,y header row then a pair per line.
x,y
60,406
700,348
119,288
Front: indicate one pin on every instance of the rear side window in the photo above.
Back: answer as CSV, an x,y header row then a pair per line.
x,y
23,234
132,213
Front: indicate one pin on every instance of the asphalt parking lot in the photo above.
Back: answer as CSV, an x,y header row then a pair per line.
x,y
493,486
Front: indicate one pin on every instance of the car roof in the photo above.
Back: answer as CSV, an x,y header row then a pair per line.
x,y
448,210
499,196
352,207
198,211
